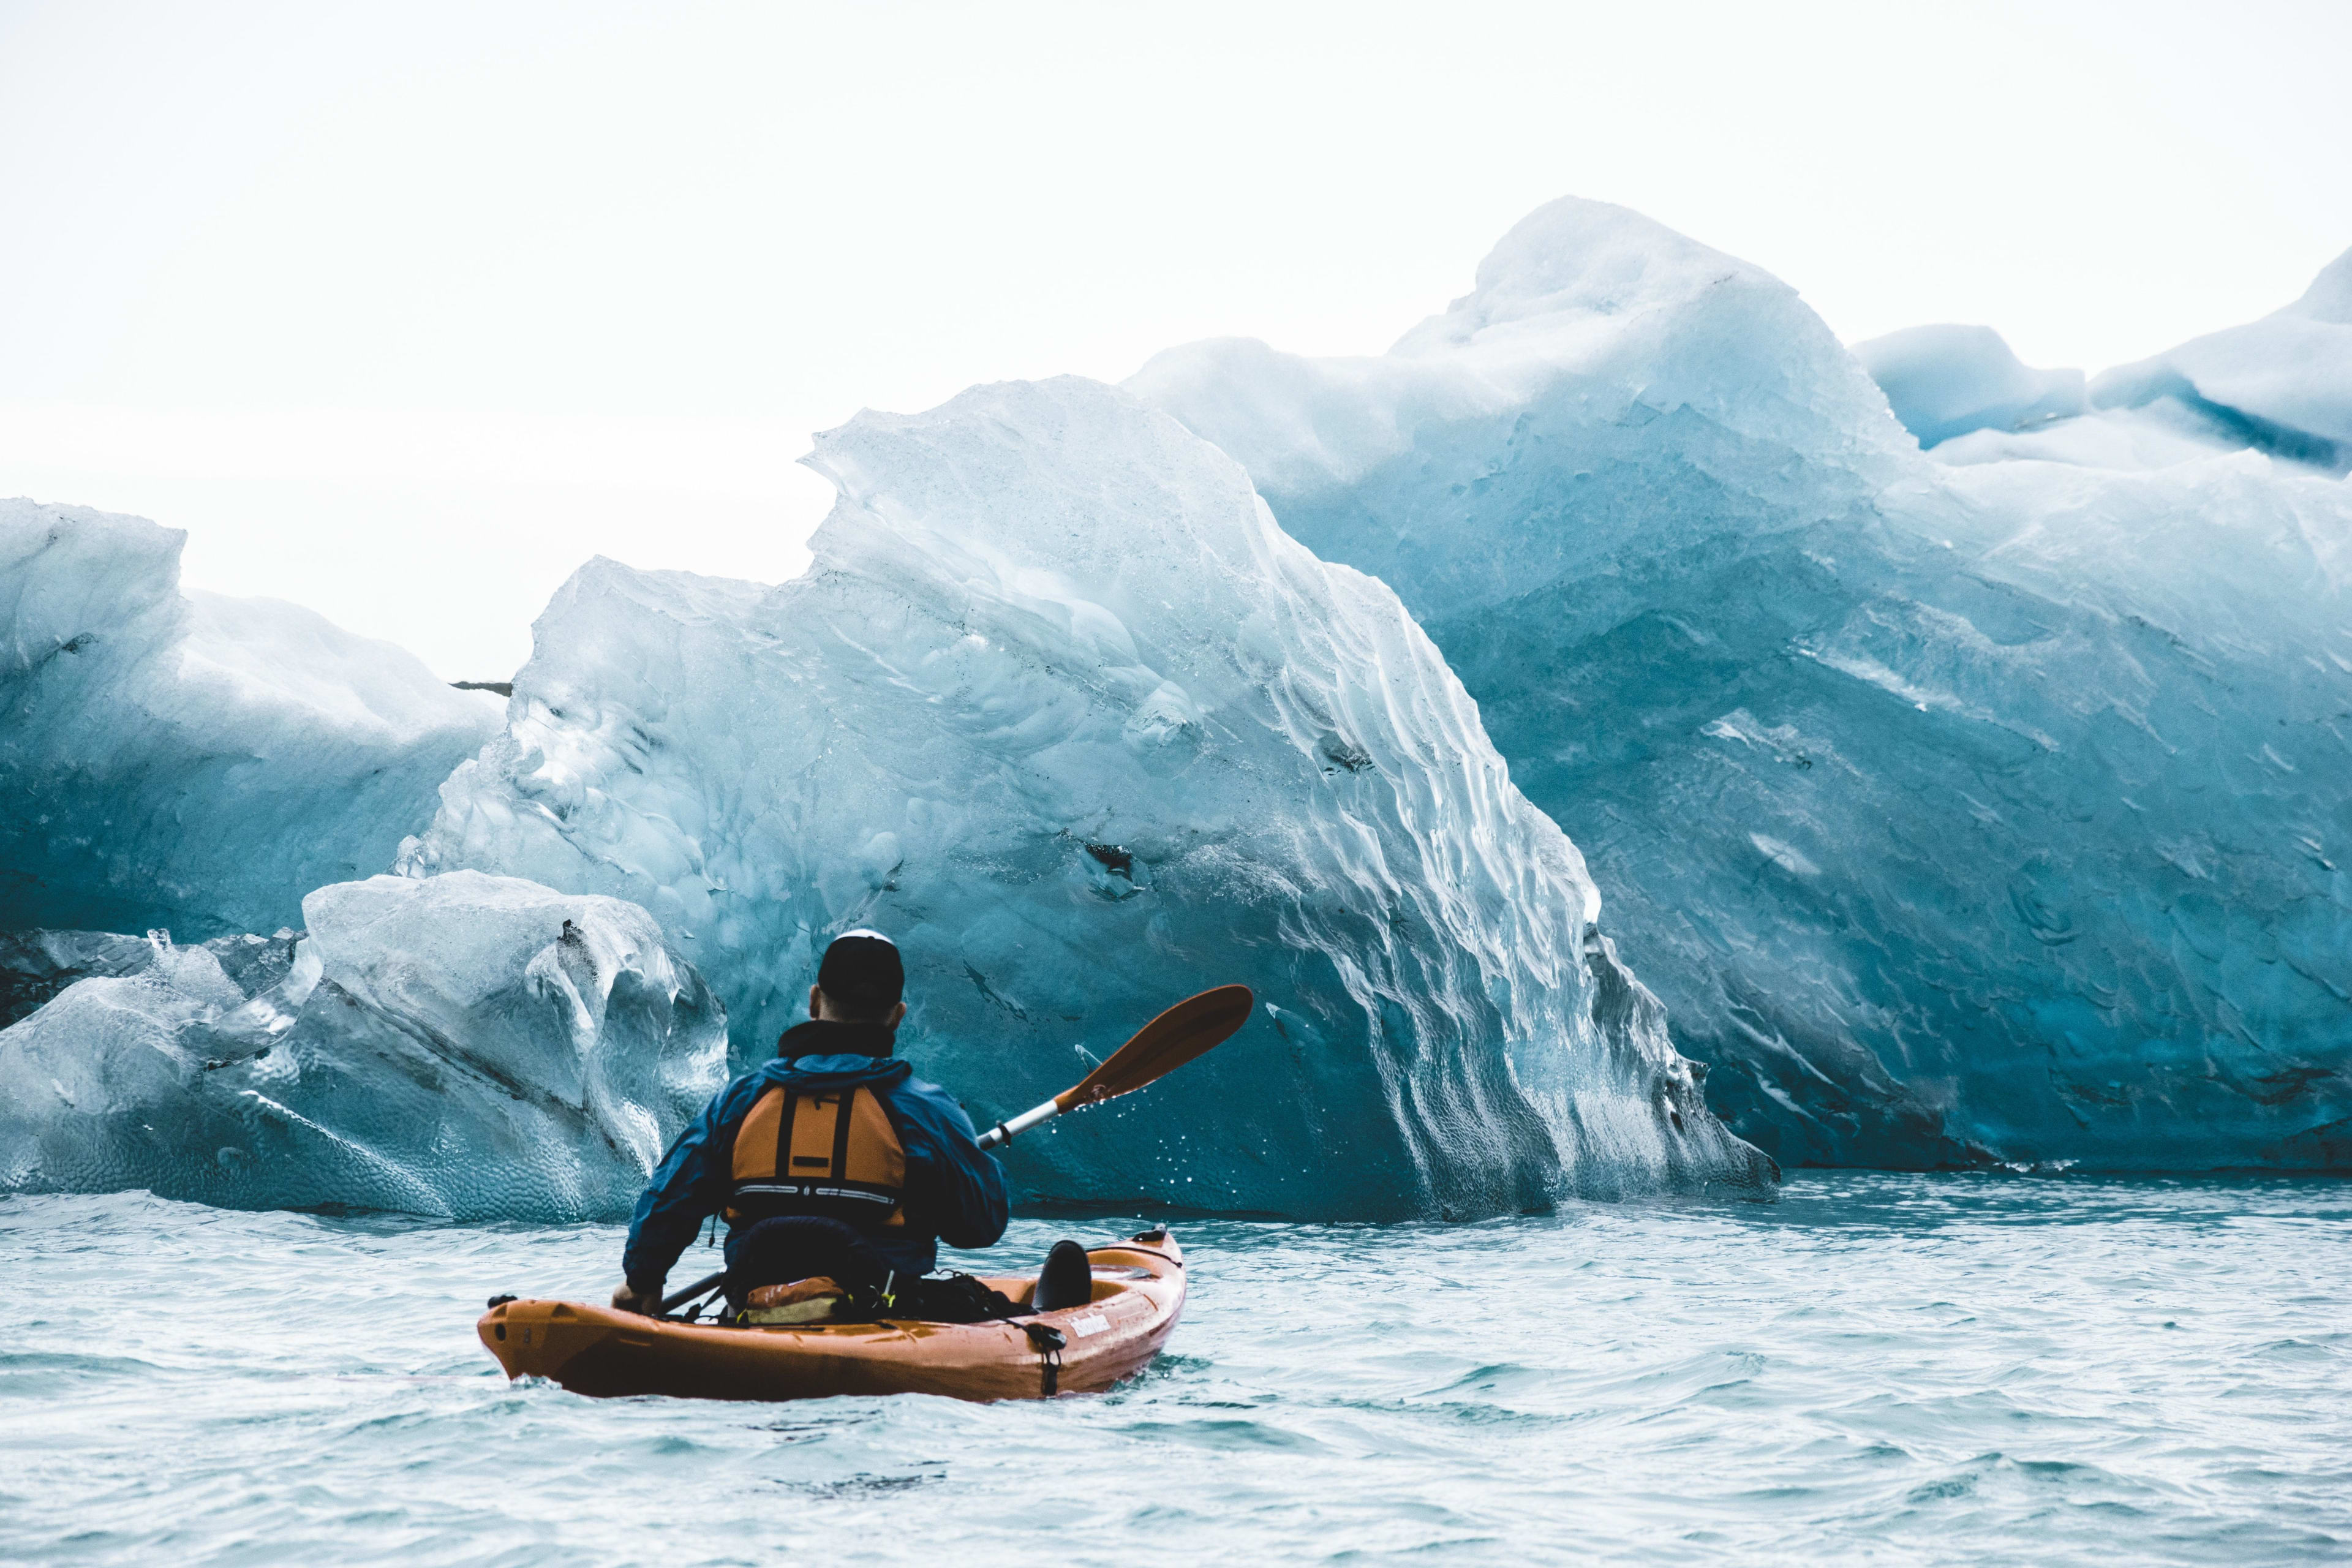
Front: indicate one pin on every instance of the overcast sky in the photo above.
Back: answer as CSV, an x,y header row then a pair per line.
x,y
405,311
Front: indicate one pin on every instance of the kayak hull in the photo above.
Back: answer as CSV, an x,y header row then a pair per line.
x,y
1139,1297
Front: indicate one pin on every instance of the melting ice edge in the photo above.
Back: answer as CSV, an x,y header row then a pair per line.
x,y
1967,805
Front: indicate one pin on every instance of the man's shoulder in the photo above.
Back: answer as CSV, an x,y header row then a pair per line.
x,y
743,1090
927,1101
907,1086
760,1077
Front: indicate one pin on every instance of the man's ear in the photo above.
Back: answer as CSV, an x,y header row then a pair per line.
x,y
897,1015
816,1001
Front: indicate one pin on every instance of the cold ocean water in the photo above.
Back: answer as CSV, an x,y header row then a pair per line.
x,y
1890,1368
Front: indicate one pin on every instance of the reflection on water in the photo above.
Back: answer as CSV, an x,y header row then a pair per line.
x,y
1924,1369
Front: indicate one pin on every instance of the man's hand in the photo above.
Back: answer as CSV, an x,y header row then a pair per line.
x,y
626,1299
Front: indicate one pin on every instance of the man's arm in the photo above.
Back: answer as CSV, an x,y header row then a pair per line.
x,y
688,1187
965,1196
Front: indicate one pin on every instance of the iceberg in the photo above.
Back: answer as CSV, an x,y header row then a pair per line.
x,y
1946,381
35,965
2156,435
464,1045
1960,814
186,761
2282,385
1061,708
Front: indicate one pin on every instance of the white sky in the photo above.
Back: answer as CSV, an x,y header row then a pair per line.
x,y
405,311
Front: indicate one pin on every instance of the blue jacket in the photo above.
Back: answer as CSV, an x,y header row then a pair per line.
x,y
954,1191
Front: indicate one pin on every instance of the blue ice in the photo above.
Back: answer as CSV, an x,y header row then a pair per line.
x,y
1994,810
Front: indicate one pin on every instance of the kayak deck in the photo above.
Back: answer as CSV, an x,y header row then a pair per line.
x,y
1139,1294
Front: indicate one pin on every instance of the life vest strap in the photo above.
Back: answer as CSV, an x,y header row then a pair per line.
x,y
841,1121
856,1192
852,1167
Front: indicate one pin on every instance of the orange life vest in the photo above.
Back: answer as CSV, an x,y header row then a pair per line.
x,y
831,1153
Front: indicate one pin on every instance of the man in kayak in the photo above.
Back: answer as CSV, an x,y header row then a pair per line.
x,y
831,1160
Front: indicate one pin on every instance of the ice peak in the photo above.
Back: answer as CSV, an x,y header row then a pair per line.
x,y
2329,297
1575,258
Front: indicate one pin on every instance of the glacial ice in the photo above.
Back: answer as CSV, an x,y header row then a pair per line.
x,y
186,761
464,1045
1958,814
1061,708
1946,381
1980,808
2282,385
2156,435
34,966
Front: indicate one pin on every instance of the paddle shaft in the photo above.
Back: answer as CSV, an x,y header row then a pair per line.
x,y
1183,1032
1004,1130
677,1299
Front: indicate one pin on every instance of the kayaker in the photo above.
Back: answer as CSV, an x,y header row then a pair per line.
x,y
831,1160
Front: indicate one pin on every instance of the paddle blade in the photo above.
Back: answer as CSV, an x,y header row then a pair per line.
x,y
1192,1027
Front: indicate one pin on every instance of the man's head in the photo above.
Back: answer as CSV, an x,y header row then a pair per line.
x,y
861,981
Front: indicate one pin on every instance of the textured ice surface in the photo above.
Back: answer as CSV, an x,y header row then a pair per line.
x,y
34,966
1946,381
189,761
1957,813
2154,435
466,1045
2283,385
1062,709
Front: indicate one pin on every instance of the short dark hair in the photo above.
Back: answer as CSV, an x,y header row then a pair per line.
x,y
862,974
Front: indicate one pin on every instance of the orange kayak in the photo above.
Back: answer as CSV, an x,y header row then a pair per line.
x,y
1139,1294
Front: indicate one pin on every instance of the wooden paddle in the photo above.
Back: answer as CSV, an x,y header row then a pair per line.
x,y
1190,1029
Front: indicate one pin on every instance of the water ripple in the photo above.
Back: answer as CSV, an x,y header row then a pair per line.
x,y
1933,1369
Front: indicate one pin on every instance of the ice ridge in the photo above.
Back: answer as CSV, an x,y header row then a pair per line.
x,y
1946,381
1060,708
2282,385
190,761
1960,813
464,1045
